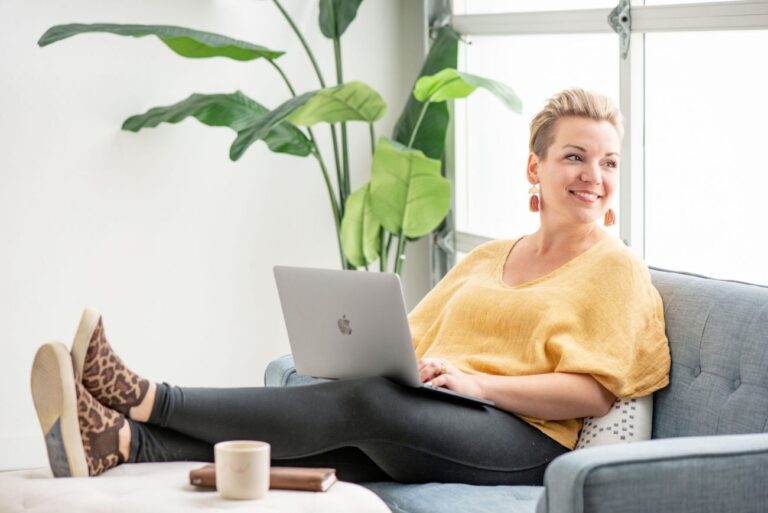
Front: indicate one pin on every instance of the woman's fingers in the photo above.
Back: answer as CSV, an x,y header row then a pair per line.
x,y
430,368
440,381
461,383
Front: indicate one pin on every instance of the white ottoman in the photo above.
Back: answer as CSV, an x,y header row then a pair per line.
x,y
161,488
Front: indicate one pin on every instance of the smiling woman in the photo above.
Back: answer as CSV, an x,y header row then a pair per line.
x,y
581,165
551,327
552,344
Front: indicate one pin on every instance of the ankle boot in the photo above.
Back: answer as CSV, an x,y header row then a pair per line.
x,y
81,435
103,373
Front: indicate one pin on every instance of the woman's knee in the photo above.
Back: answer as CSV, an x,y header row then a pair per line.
x,y
371,389
374,398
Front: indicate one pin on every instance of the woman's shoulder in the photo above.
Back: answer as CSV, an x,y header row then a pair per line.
x,y
618,258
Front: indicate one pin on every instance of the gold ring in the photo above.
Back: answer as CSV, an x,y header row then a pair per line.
x,y
442,367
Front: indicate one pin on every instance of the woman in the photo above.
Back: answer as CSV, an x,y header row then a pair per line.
x,y
552,326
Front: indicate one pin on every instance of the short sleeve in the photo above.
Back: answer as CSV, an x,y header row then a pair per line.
x,y
617,335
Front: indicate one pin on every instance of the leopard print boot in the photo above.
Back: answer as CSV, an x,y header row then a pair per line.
x,y
103,373
99,430
81,435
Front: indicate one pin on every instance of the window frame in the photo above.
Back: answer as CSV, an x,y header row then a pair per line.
x,y
710,16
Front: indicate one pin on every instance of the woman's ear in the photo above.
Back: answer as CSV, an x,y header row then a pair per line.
x,y
532,170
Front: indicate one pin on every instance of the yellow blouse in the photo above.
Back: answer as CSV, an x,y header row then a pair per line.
x,y
598,314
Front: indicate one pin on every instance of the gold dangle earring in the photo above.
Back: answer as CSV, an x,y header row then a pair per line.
x,y
610,218
533,202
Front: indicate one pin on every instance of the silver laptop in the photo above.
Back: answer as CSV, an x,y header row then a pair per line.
x,y
350,324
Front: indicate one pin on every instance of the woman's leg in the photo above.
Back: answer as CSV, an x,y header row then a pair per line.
x,y
410,435
107,380
150,443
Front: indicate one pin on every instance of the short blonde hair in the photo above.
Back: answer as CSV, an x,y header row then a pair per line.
x,y
571,103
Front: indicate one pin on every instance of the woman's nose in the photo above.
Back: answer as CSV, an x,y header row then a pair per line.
x,y
591,173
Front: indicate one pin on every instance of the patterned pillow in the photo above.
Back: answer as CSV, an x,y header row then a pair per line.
x,y
630,420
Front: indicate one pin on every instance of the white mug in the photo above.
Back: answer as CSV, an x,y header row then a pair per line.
x,y
242,469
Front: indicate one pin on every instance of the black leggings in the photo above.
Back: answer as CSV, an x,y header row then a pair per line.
x,y
369,429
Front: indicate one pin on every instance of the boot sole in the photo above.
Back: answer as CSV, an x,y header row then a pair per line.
x,y
83,336
55,398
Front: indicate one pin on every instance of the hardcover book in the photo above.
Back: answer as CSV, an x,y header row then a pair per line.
x,y
280,478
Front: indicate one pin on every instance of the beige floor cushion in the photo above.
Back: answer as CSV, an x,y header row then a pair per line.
x,y
163,488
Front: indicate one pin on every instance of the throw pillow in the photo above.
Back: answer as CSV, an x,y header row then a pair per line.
x,y
630,420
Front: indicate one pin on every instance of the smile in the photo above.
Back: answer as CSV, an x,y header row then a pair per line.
x,y
585,196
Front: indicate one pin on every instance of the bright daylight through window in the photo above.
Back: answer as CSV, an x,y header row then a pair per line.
x,y
698,180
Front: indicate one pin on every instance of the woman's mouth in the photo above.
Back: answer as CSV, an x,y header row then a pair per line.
x,y
586,197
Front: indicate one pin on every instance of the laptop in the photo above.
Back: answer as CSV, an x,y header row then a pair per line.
x,y
351,324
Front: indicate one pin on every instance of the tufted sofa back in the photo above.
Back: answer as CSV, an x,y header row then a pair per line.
x,y
718,338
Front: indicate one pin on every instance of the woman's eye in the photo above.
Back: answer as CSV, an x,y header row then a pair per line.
x,y
612,163
569,157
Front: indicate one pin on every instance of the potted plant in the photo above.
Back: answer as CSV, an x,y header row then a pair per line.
x,y
406,198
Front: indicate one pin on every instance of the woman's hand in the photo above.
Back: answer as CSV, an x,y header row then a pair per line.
x,y
442,373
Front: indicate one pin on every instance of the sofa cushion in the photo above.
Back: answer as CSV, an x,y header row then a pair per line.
x,y
434,497
718,337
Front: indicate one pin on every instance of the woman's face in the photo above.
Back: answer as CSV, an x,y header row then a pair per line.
x,y
580,174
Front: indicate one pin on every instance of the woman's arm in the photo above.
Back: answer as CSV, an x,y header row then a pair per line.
x,y
551,396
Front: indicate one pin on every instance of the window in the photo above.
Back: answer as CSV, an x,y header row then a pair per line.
x,y
497,6
691,91
492,142
706,178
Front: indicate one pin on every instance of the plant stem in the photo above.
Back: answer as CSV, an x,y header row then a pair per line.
x,y
322,84
336,42
345,161
382,254
389,246
340,80
285,78
336,216
373,138
399,256
316,152
339,178
418,123
303,42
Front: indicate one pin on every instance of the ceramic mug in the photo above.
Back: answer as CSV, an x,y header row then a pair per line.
x,y
242,469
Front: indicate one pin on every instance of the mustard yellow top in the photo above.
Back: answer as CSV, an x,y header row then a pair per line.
x,y
598,314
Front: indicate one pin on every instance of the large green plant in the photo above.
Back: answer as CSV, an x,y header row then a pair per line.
x,y
407,196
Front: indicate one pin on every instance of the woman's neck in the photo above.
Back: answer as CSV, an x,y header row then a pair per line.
x,y
557,241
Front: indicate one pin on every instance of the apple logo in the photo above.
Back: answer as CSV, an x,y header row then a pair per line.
x,y
344,325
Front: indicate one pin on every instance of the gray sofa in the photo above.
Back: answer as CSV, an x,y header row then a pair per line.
x,y
709,451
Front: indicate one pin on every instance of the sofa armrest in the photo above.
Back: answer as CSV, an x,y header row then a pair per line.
x,y
281,372
684,475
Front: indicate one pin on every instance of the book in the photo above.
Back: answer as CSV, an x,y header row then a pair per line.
x,y
280,478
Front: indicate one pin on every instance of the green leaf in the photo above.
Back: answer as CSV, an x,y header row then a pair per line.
x,y
347,102
344,11
235,111
450,84
353,101
186,42
265,124
360,229
407,191
431,136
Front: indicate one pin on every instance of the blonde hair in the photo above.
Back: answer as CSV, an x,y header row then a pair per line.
x,y
571,103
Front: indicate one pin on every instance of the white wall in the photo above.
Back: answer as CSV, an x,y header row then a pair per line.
x,y
172,241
